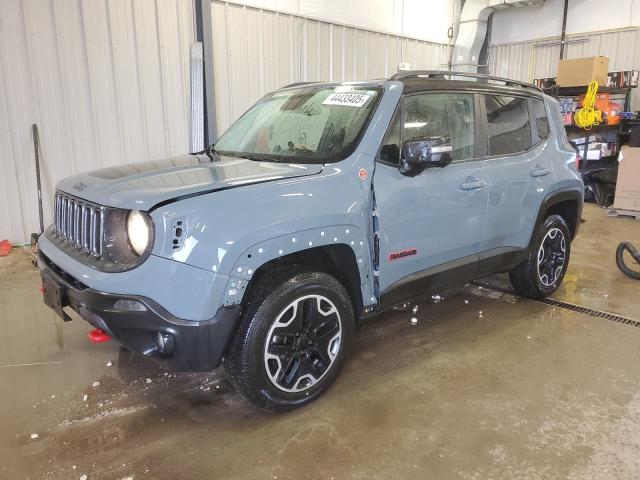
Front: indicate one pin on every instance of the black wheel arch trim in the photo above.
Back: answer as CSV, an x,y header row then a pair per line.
x,y
553,198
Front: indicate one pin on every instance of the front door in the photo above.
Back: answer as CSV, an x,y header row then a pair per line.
x,y
430,225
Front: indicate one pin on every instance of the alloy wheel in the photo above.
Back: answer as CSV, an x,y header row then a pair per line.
x,y
302,343
551,257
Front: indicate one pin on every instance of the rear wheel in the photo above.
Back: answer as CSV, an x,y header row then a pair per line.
x,y
542,273
292,339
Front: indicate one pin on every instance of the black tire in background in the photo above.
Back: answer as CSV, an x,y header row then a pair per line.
x,y
250,362
542,272
635,255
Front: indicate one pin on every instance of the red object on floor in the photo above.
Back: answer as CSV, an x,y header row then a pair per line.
x,y
5,248
41,288
98,336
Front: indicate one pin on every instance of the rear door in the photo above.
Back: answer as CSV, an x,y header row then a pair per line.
x,y
430,225
519,172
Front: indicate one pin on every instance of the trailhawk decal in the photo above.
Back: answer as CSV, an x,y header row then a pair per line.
x,y
402,253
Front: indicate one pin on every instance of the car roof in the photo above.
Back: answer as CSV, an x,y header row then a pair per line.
x,y
420,80
412,85
424,80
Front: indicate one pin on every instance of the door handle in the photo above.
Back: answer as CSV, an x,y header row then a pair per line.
x,y
473,185
540,172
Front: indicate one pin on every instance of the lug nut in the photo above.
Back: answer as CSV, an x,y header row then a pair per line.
x,y
165,343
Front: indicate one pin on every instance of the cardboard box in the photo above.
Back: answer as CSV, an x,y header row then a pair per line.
x,y
579,72
628,183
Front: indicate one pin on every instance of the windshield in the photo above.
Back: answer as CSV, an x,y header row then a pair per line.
x,y
313,124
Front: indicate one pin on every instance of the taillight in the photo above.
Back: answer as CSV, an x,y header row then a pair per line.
x,y
578,161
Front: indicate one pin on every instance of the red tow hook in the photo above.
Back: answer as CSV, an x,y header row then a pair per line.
x,y
98,336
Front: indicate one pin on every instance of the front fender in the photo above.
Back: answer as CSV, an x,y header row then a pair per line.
x,y
234,232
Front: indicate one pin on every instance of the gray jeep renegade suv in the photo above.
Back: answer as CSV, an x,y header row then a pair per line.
x,y
323,204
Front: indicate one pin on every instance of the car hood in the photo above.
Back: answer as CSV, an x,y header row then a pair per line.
x,y
144,185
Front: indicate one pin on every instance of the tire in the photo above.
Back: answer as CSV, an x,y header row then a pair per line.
x,y
542,272
620,259
279,359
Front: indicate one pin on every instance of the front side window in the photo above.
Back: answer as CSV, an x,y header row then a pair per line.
x,y
540,117
314,124
447,118
508,124
390,149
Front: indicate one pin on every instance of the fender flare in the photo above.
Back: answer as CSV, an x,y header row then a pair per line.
x,y
271,249
555,197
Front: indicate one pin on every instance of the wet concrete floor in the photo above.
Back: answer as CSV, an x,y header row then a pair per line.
x,y
521,390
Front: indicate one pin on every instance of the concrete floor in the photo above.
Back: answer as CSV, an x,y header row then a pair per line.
x,y
524,390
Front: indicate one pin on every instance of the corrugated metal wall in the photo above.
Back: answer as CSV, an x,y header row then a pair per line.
x,y
257,51
539,58
107,81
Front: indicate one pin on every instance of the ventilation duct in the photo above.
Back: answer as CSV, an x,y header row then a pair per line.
x,y
472,30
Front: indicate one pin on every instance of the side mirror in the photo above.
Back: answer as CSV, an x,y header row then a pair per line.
x,y
417,155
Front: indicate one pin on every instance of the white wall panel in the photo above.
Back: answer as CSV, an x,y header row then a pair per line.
x,y
425,20
256,51
539,58
107,81
546,21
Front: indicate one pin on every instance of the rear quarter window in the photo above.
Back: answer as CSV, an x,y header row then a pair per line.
x,y
508,123
540,118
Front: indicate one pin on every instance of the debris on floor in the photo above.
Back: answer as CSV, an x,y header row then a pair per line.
x,y
414,321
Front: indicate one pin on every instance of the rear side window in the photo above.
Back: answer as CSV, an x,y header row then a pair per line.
x,y
540,117
509,128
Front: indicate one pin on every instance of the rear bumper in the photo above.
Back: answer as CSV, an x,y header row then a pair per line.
x,y
183,345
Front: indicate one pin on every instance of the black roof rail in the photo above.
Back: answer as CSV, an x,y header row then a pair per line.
x,y
448,73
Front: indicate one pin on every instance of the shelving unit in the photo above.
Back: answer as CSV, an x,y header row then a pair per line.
x,y
608,133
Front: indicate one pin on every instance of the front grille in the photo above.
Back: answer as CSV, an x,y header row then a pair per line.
x,y
79,223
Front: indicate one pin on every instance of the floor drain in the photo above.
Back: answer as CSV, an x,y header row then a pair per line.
x,y
569,306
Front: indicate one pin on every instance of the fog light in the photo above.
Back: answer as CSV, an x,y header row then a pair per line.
x,y
130,305
165,343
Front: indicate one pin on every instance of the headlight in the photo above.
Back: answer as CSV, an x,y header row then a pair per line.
x,y
138,231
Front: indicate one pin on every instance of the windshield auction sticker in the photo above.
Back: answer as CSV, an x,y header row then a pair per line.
x,y
348,99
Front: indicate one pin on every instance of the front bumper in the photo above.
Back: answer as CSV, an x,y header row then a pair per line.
x,y
183,345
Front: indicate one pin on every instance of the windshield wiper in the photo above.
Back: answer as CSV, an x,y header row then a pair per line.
x,y
255,158
210,152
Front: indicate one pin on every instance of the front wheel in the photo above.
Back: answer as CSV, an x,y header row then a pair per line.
x,y
542,273
292,339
